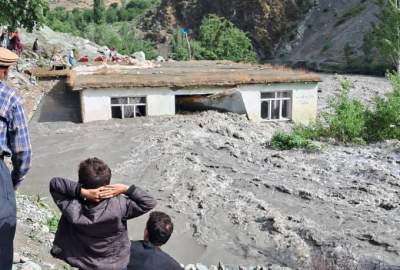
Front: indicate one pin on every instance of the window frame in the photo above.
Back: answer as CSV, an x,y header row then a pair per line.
x,y
128,104
280,99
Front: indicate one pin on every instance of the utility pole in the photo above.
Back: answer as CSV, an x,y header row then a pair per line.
x,y
184,31
189,48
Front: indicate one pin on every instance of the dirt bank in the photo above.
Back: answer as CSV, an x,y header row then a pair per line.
x,y
233,198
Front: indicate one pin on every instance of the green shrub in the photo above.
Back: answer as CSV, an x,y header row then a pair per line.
x,y
180,49
346,122
350,121
122,38
139,4
218,39
52,223
116,34
221,39
314,131
286,141
383,122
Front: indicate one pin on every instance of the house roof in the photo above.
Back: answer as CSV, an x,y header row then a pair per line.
x,y
46,73
186,74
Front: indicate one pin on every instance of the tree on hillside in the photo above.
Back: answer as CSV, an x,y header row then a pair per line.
x,y
22,13
99,9
387,31
221,39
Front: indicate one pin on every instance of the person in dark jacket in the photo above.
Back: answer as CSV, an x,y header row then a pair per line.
x,y
147,254
92,232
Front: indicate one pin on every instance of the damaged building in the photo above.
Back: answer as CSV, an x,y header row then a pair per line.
x,y
262,92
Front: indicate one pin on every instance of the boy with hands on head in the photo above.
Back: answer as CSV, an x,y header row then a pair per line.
x,y
92,232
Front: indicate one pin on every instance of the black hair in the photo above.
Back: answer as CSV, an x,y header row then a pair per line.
x,y
94,173
159,228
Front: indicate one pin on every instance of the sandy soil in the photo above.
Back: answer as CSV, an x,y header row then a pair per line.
x,y
233,198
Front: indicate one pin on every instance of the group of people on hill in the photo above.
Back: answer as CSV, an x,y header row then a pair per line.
x,y
92,232
11,41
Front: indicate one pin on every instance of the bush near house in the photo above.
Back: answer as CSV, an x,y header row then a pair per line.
x,y
286,141
349,121
218,39
383,121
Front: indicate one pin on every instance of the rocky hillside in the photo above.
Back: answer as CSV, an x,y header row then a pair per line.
x,y
264,20
324,35
334,36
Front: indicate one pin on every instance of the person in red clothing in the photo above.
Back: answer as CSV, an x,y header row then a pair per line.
x,y
18,44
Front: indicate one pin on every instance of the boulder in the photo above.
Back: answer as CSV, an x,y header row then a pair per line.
x,y
140,56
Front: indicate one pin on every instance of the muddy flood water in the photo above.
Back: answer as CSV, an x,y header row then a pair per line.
x,y
233,198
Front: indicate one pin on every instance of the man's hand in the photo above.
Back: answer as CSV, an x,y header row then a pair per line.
x,y
102,193
92,195
113,190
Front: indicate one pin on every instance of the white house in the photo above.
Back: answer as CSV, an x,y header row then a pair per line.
x,y
262,92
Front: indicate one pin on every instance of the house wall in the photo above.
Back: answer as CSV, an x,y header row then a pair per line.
x,y
161,104
304,100
305,104
96,105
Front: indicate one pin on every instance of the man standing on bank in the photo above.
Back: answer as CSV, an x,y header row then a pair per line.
x,y
14,143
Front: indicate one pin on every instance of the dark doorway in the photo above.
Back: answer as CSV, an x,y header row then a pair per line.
x,y
191,103
59,105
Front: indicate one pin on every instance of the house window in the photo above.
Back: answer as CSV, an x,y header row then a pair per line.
x,y
276,106
128,107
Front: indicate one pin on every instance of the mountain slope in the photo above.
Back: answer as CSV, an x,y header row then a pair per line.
x,y
334,37
264,20
323,35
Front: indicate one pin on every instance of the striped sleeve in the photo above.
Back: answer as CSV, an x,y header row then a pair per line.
x,y
19,143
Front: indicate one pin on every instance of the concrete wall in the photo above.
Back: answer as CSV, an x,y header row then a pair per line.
x,y
96,105
304,100
305,104
252,103
161,104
